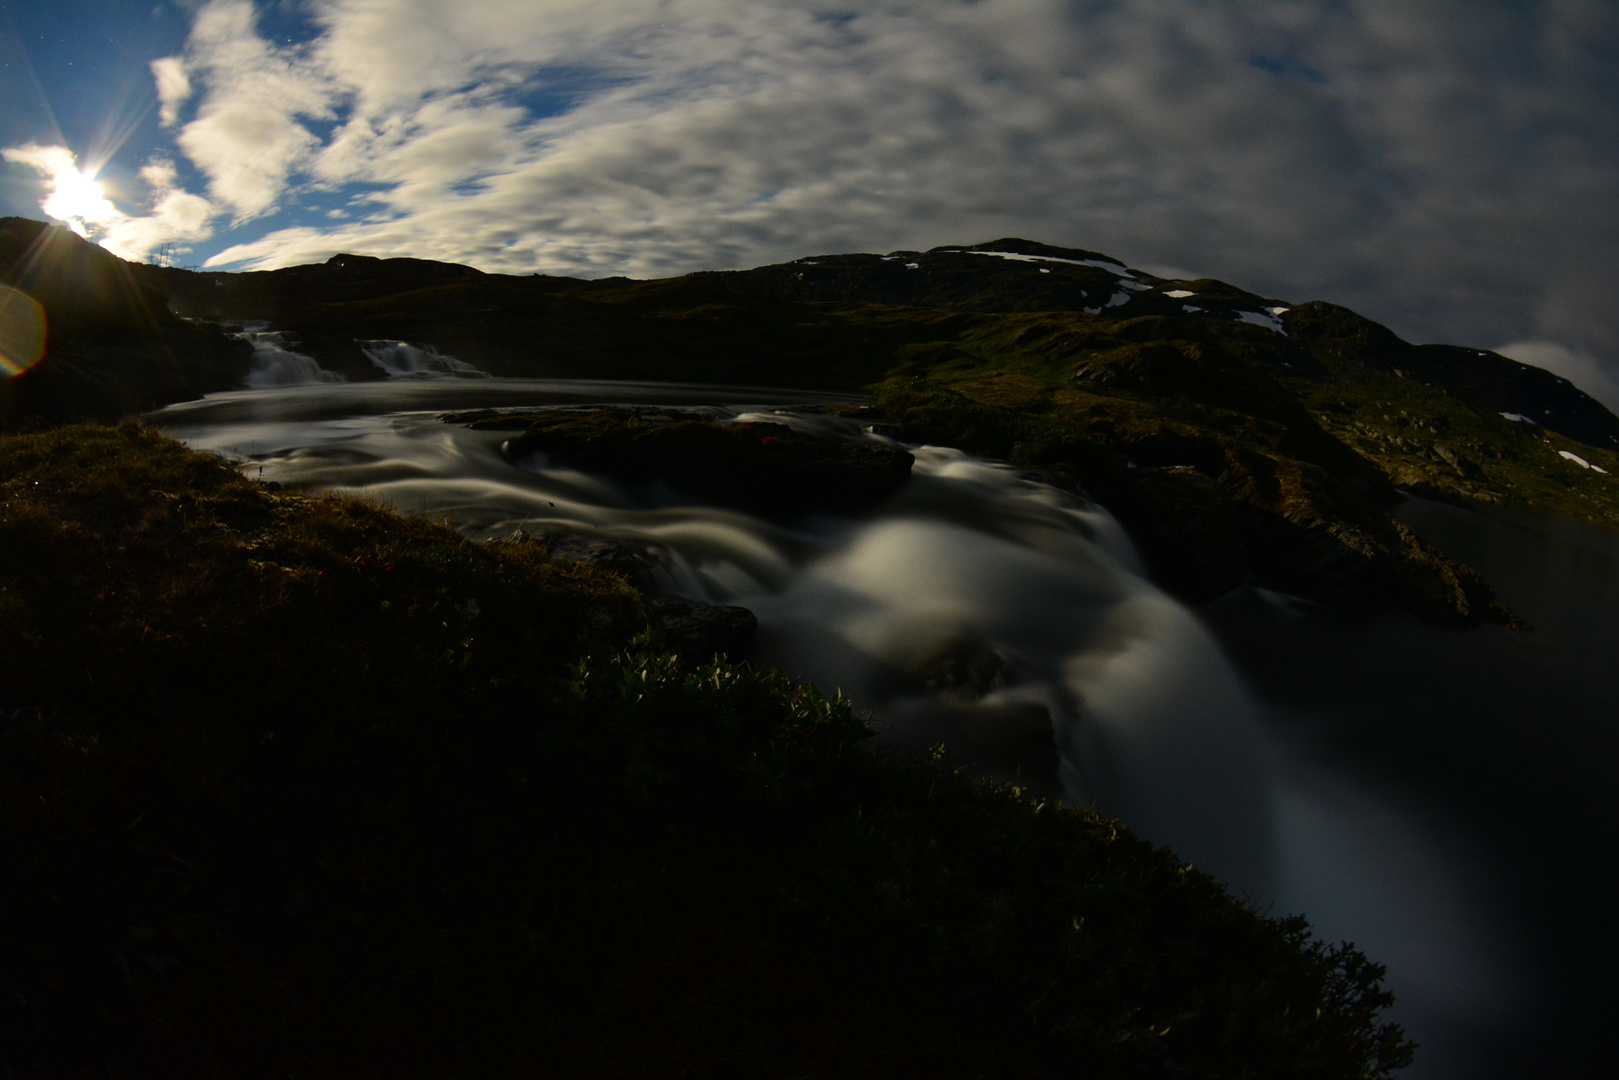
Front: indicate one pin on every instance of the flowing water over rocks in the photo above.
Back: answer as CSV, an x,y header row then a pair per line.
x,y
1003,618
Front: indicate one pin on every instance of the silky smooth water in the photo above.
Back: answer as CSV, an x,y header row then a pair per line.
x,y
1237,734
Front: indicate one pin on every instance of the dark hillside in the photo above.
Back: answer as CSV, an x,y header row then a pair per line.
x,y
113,346
1485,381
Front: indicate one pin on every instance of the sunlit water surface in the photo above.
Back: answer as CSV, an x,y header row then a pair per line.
x,y
1252,736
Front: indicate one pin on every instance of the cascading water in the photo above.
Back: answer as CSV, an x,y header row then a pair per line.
x,y
970,564
1001,617
273,364
402,360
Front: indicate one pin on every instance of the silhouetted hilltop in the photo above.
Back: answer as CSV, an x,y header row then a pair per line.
x,y
113,345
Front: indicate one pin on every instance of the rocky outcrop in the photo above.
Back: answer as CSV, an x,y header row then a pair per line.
x,y
1186,530
632,561
766,468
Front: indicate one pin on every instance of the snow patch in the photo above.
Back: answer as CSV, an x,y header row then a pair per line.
x,y
1581,462
1180,294
1190,309
1516,418
1100,264
1261,318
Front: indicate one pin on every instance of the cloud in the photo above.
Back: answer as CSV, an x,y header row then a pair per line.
x,y
176,216
247,136
78,201
1446,168
173,88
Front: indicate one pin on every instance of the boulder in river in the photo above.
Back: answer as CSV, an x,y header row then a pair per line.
x,y
763,467
698,630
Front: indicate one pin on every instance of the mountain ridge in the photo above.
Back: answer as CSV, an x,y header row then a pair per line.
x,y
1207,417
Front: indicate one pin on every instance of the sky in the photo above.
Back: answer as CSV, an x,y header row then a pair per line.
x,y
1450,169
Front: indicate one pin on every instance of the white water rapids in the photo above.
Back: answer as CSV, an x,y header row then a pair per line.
x,y
1134,702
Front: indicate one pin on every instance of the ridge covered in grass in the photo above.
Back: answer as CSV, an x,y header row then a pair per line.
x,y
296,785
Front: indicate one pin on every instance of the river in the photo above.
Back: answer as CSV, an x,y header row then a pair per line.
x,y
1444,799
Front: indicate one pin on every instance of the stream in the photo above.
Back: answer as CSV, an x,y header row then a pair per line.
x,y
1443,799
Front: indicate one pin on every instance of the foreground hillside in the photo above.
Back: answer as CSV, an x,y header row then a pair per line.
x,y
295,786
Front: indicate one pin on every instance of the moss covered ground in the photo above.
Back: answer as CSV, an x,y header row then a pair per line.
x,y
295,786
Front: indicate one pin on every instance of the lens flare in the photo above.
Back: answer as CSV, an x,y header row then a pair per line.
x,y
22,331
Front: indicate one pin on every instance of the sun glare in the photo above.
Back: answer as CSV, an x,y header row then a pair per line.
x,y
73,198
78,200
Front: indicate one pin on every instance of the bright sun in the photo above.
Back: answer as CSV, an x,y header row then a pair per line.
x,y
78,200
73,198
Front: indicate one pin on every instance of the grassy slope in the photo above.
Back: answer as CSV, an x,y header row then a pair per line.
x,y
295,785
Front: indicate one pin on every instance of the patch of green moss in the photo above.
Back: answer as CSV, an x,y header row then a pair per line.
x,y
1433,445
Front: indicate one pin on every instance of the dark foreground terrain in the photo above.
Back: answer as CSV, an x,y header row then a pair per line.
x,y
295,786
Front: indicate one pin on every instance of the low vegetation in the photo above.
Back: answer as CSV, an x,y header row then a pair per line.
x,y
295,786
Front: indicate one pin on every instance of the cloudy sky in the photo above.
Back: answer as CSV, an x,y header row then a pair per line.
x,y
1450,169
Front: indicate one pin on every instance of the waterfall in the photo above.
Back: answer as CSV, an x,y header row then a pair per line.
x,y
274,364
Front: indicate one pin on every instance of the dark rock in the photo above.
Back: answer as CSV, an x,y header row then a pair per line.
x,y
1315,558
634,561
697,630
1186,530
766,468
965,670
1464,465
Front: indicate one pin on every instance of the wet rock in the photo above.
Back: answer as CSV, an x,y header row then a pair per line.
x,y
697,630
766,468
634,561
1186,530
965,670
